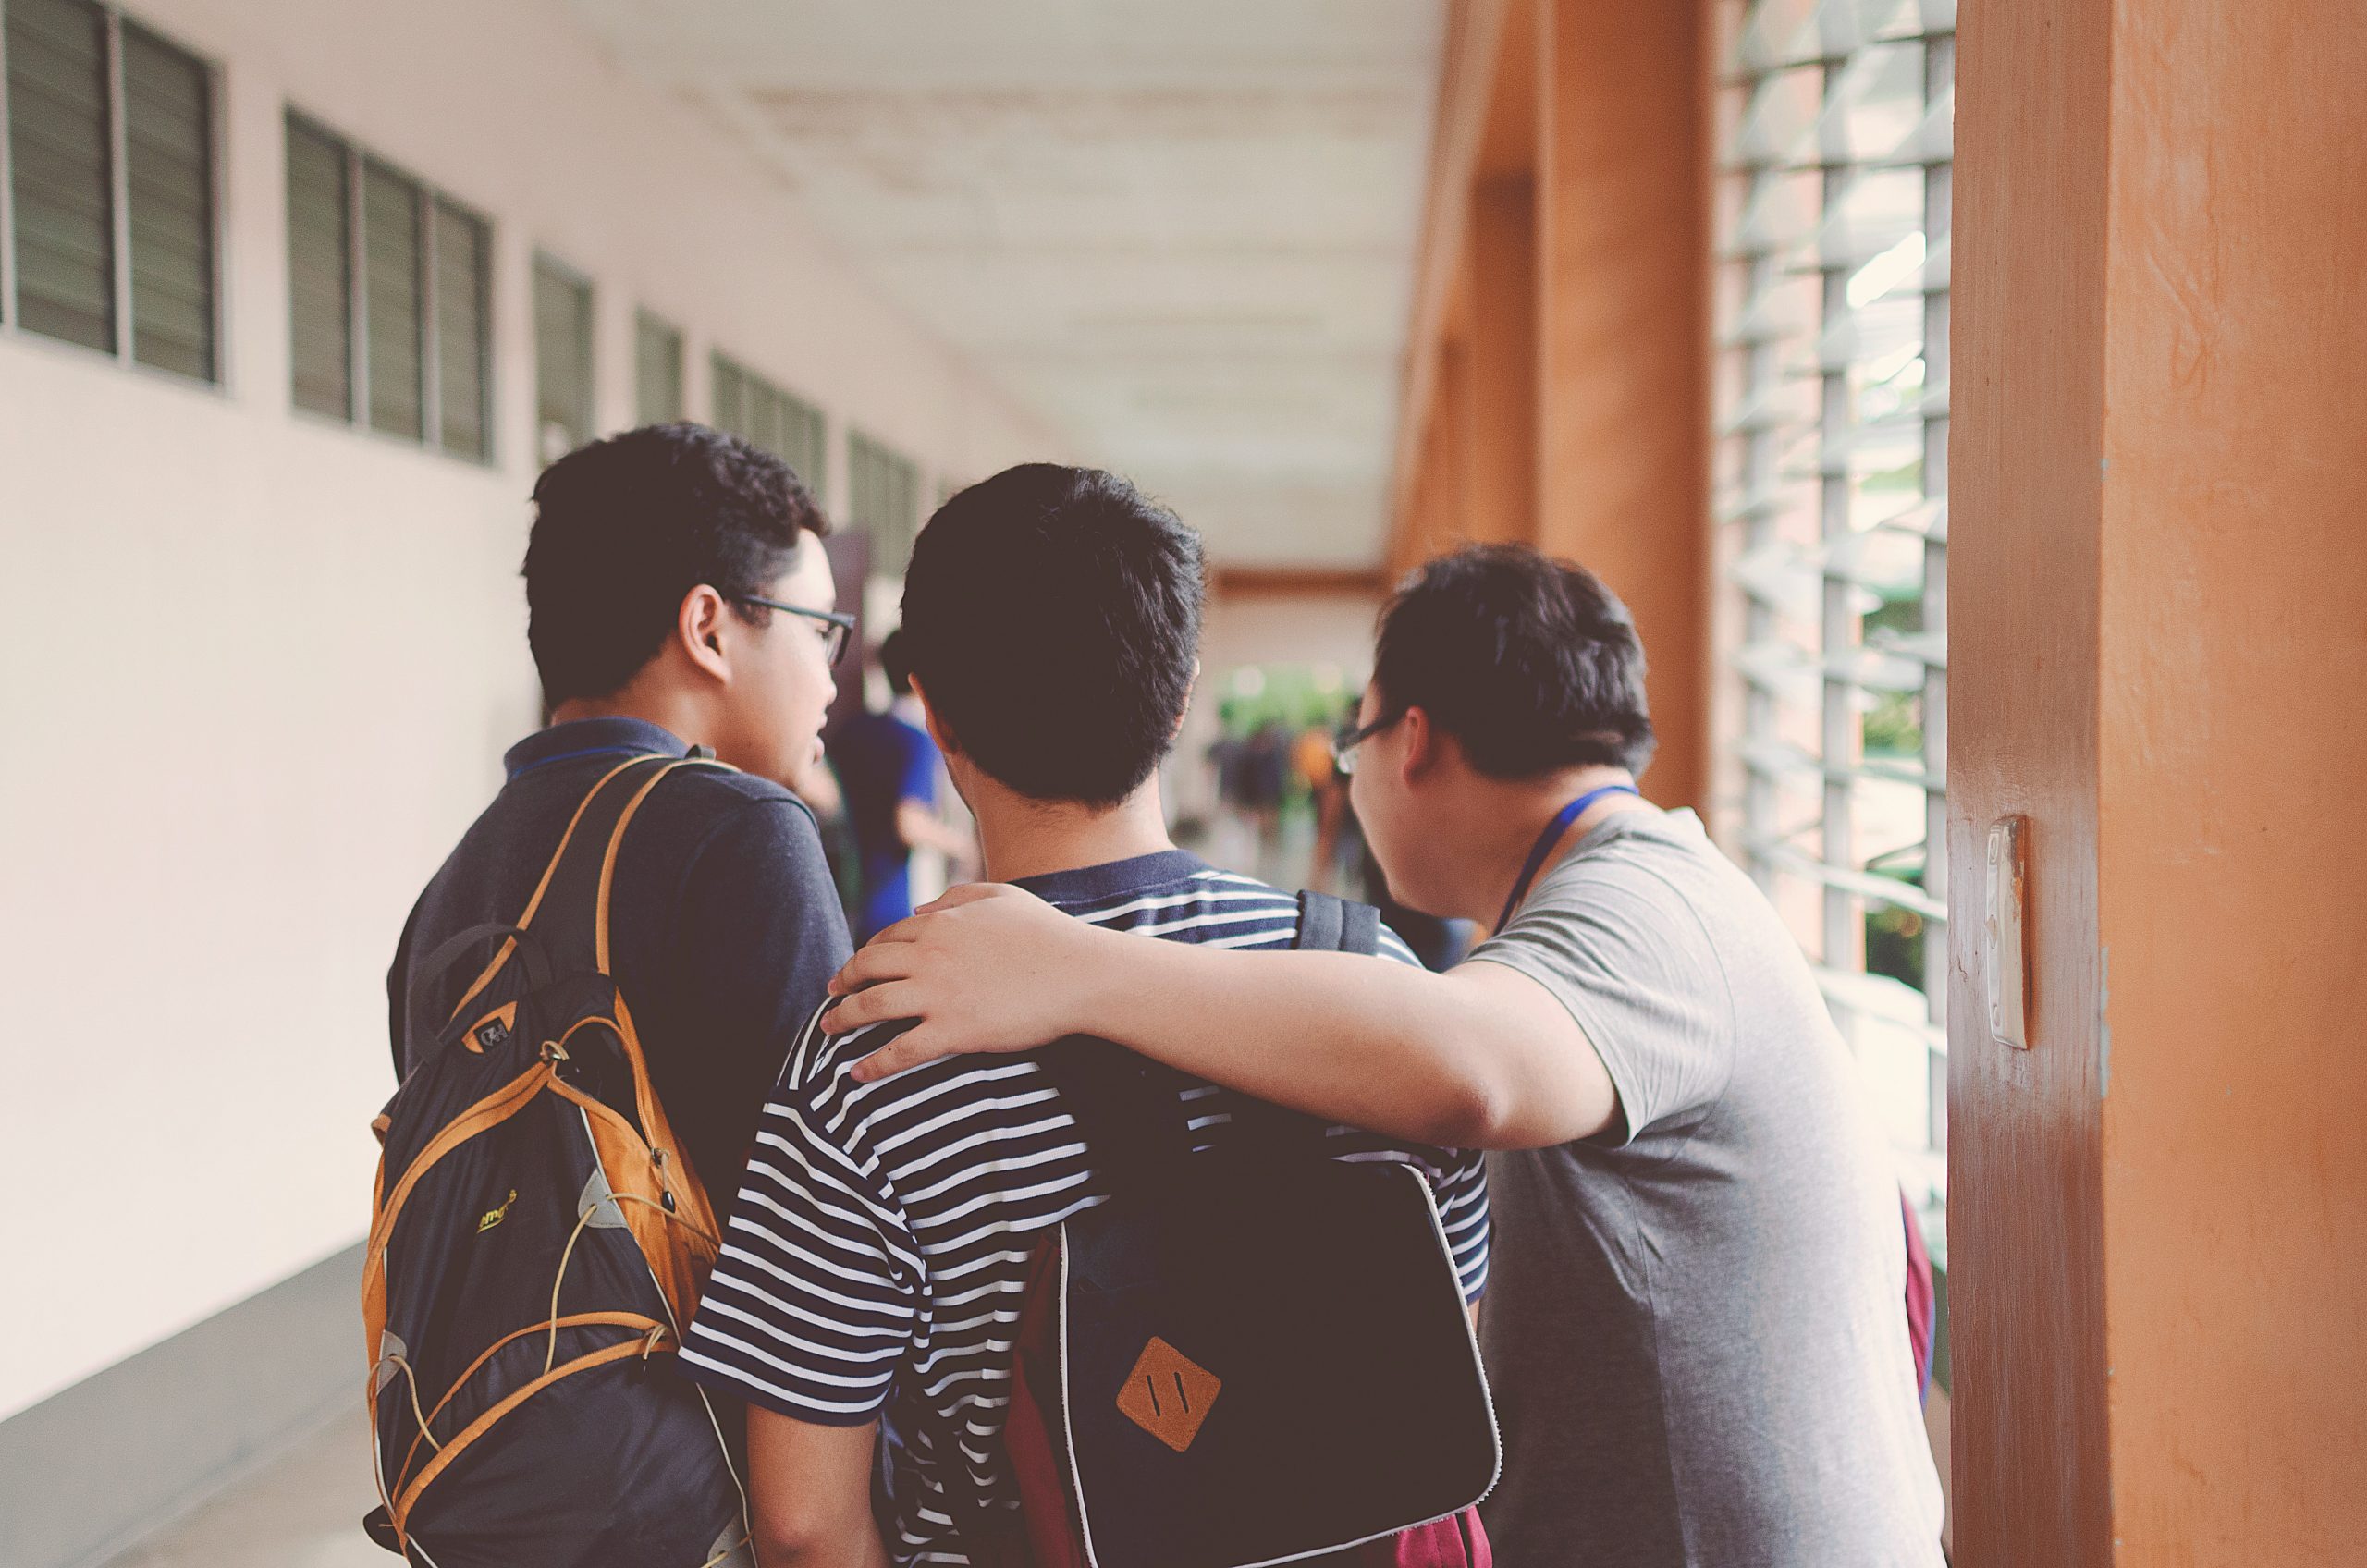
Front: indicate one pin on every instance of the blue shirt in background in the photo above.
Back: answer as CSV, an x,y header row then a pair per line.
x,y
884,760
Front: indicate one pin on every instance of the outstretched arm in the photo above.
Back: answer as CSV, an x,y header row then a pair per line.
x,y
1481,1058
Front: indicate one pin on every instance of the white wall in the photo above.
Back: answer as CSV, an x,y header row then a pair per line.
x,y
256,670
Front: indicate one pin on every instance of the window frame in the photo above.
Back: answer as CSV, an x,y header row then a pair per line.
x,y
430,198
562,271
215,189
868,458
647,323
803,411
422,269
289,119
434,203
222,380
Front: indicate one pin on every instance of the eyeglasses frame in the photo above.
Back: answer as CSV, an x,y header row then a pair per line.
x,y
844,623
1344,744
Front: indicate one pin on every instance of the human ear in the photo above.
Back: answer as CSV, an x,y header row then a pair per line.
x,y
698,627
1424,745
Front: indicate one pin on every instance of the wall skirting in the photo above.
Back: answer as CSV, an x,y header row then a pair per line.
x,y
92,1468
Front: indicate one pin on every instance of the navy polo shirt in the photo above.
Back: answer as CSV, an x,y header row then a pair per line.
x,y
725,924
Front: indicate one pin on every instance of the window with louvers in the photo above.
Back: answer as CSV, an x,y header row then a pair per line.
x,y
394,301
884,499
389,282
657,371
169,171
320,271
1833,412
109,139
562,359
463,331
753,409
61,164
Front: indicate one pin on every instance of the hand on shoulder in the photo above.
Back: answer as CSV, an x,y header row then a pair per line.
x,y
989,967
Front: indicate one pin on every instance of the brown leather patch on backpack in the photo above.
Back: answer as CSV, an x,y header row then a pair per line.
x,y
1167,1394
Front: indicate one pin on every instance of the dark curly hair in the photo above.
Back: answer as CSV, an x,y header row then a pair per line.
x,y
625,527
1052,619
1531,663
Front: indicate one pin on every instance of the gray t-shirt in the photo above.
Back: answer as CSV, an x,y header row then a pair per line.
x,y
1696,1333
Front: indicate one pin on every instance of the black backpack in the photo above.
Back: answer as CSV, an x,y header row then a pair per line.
x,y
1257,1355
538,1243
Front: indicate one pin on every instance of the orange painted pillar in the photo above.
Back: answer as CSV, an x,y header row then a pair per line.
x,y
1623,255
1503,360
1447,464
2158,622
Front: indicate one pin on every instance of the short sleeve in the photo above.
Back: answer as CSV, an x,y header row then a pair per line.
x,y
1623,952
812,1305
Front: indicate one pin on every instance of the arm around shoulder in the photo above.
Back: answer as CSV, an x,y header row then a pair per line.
x,y
1481,1058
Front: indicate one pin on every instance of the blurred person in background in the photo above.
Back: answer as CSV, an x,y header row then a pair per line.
x,y
889,767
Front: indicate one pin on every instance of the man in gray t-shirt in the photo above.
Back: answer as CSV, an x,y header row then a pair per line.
x,y
1701,1323
1697,1330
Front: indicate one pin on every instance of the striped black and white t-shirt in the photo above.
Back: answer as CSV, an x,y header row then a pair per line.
x,y
874,1263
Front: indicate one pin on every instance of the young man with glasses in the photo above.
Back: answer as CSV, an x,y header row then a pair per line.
x,y
677,596
1695,1330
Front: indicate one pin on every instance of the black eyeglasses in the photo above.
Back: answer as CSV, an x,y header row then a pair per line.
x,y
838,630
1344,744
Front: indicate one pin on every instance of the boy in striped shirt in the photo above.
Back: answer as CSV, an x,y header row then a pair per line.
x,y
874,1263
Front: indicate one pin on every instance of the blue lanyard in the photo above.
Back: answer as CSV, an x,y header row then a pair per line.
x,y
1551,837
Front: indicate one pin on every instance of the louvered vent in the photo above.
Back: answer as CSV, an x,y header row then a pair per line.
x,y
1832,471
884,500
62,171
657,371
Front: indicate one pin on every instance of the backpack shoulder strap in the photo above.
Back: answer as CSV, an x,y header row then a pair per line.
x,y
1136,1131
564,928
570,910
1328,924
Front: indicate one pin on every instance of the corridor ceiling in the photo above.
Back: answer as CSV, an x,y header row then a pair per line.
x,y
1183,231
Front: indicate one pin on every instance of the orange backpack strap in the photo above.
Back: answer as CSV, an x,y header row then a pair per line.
x,y
568,914
569,917
616,843
576,829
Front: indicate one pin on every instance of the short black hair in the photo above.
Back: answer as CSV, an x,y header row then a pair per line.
x,y
625,527
1052,617
1531,662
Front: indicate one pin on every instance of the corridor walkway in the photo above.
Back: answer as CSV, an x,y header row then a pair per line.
x,y
303,1510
